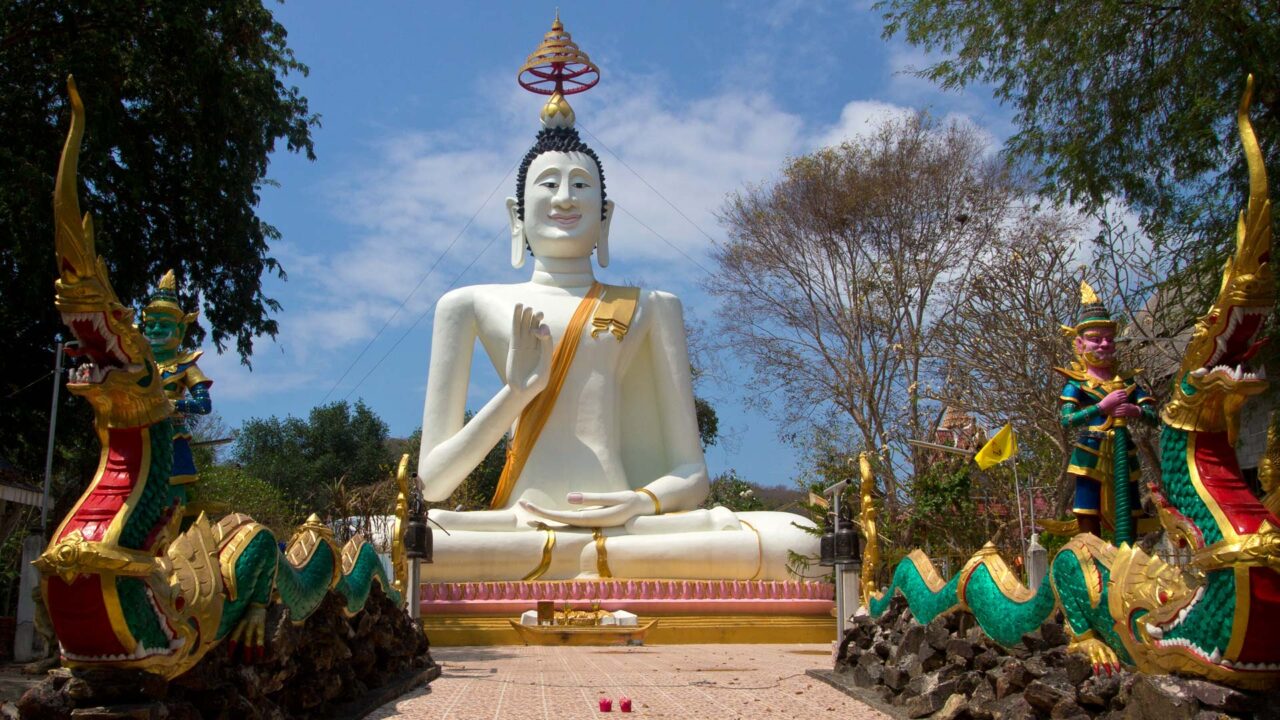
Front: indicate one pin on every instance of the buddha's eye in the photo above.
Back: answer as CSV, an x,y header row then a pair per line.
x,y
549,184
580,184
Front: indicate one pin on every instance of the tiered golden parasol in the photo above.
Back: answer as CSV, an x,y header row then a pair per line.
x,y
558,67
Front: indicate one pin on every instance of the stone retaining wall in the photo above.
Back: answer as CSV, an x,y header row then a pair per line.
x,y
950,670
325,665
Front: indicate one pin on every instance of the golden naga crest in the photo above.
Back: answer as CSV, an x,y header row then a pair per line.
x,y
306,540
1215,377
119,376
184,586
195,578
73,555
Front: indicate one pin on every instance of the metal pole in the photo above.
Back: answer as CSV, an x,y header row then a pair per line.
x,y
1031,497
1017,494
835,491
53,424
840,616
411,592
942,448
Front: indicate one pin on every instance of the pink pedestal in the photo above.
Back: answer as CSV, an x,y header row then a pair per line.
x,y
648,597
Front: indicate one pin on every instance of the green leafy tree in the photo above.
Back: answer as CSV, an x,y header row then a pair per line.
x,y
1127,100
704,363
825,463
731,491
185,101
476,492
227,488
943,514
708,422
307,458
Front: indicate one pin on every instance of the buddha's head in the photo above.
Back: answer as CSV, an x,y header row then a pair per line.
x,y
560,209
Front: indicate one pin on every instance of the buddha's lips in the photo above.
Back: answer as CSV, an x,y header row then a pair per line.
x,y
566,220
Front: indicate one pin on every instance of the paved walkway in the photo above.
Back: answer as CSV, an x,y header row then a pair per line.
x,y
666,681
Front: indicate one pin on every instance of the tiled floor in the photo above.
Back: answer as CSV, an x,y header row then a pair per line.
x,y
667,681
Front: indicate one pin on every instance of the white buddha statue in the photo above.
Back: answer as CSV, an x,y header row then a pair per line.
x,y
606,471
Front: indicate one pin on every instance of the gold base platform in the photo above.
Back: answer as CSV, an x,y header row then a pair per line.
x,y
466,630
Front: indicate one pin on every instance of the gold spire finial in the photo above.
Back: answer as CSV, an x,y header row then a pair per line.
x,y
1087,295
165,300
1093,312
557,67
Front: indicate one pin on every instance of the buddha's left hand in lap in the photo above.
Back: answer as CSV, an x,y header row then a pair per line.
x,y
604,509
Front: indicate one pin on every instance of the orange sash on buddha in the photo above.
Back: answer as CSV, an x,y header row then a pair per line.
x,y
535,415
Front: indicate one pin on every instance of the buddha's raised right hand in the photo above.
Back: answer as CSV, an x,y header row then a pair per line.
x,y
529,359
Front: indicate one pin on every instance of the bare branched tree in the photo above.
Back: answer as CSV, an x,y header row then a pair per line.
x,y
1157,291
1000,344
1157,288
835,279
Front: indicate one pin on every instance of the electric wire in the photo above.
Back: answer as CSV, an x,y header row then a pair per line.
x,y
422,315
673,246
655,190
415,289
629,214
14,394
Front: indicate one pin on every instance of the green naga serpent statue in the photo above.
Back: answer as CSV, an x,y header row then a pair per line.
x,y
1215,618
128,581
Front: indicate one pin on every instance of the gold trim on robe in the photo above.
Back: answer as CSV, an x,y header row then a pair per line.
x,y
612,308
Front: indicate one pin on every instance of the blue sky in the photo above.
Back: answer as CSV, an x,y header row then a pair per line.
x,y
423,122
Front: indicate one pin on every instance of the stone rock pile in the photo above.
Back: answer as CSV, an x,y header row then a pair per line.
x,y
950,670
310,670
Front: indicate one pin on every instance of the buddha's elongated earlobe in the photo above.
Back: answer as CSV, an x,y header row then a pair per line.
x,y
602,245
517,233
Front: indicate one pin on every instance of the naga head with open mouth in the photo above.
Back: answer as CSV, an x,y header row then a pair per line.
x,y
118,375
1216,375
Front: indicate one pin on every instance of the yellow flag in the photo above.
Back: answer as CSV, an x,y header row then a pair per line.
x,y
998,449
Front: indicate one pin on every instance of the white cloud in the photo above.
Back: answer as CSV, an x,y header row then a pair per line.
x,y
859,118
691,156
234,382
400,205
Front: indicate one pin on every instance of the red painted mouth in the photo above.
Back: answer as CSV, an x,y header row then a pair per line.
x,y
1238,343
96,342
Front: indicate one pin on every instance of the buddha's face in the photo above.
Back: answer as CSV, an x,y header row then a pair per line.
x,y
562,205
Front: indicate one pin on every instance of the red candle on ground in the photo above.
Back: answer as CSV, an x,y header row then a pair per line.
x,y
624,704
606,705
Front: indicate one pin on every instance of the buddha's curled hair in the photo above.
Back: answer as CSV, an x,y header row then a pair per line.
x,y
555,140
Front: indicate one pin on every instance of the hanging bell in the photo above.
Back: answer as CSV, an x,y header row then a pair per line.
x,y
846,543
418,541
827,547
417,534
